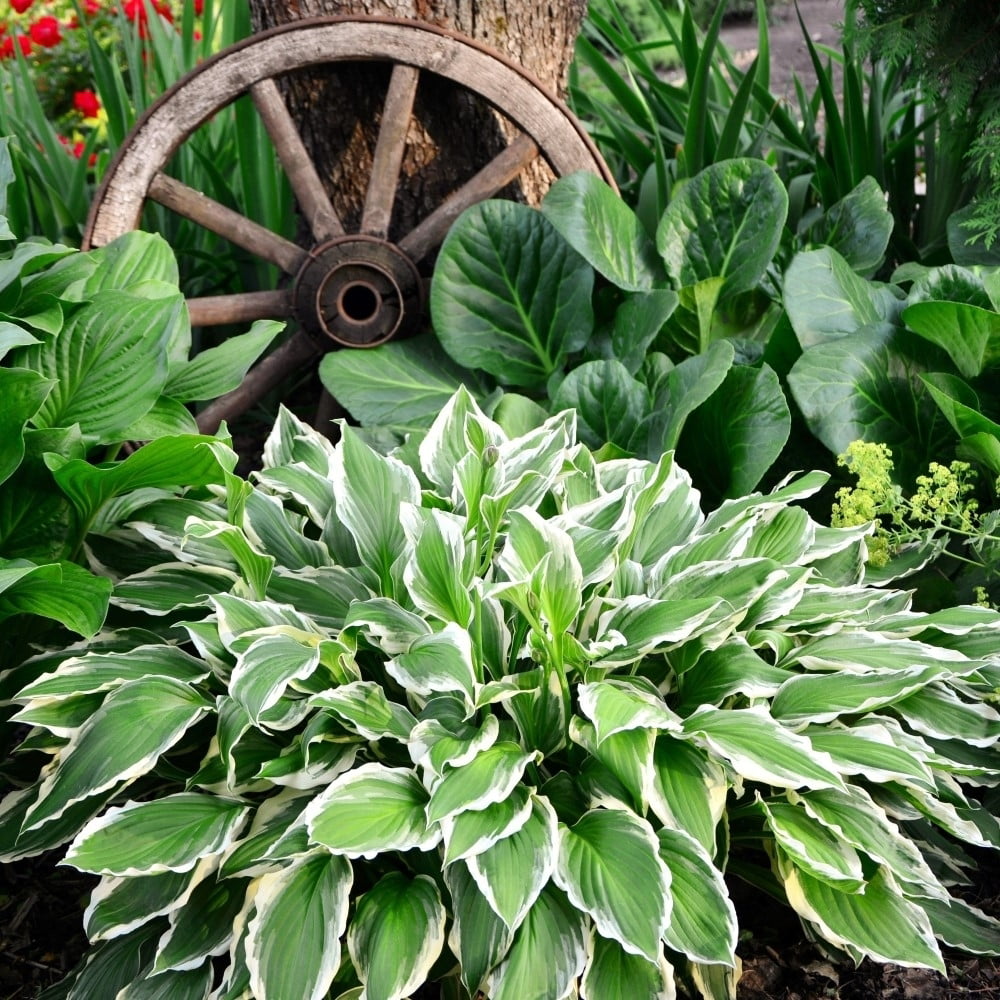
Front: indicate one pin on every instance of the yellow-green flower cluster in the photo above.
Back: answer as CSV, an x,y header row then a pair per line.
x,y
943,497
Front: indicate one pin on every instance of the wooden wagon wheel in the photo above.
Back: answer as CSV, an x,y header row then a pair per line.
x,y
354,289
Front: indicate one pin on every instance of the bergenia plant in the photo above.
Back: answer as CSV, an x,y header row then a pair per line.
x,y
499,716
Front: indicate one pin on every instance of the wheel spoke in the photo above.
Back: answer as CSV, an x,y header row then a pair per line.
x,y
499,172
313,200
389,148
234,227
298,351
218,310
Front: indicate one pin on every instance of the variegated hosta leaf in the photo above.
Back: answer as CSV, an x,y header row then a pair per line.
x,y
938,712
396,935
960,925
369,489
869,750
363,707
292,440
532,462
388,625
242,621
293,941
119,905
122,740
435,743
618,704
878,922
254,566
853,816
732,668
478,937
813,847
784,534
627,754
473,831
169,586
113,965
601,860
440,568
613,972
303,485
548,953
281,533
824,697
266,668
435,663
489,777
689,789
703,920
512,872
203,927
168,834
190,984
859,652
761,749
369,810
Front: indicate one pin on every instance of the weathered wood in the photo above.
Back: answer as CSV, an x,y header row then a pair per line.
x,y
225,222
314,202
389,151
220,310
499,172
296,353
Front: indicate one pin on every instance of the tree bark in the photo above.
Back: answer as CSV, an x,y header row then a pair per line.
x,y
452,133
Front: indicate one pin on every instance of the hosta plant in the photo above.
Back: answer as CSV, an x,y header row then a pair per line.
x,y
499,716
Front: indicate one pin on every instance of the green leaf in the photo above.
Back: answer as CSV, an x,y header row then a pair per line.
x,y
600,861
220,369
121,741
134,258
733,438
613,972
23,393
469,833
724,223
120,905
437,663
703,924
439,573
858,226
636,324
64,592
172,985
170,586
813,848
489,777
165,418
266,668
369,489
512,872
961,925
364,707
879,922
689,790
548,953
825,299
595,221
866,387
369,810
108,362
402,385
168,834
478,938
396,935
510,296
618,704
610,404
761,749
969,333
293,940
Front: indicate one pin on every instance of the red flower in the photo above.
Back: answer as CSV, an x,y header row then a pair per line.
x,y
45,32
21,5
91,7
199,7
87,103
7,46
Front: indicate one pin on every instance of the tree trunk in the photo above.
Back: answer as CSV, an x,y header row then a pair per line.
x,y
452,133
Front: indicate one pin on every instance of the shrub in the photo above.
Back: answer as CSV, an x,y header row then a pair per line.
x,y
434,716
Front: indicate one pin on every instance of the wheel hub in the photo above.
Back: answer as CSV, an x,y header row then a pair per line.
x,y
358,291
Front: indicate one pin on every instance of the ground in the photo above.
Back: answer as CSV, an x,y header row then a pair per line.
x,y
41,906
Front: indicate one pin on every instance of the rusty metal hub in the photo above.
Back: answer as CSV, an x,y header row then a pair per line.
x,y
358,291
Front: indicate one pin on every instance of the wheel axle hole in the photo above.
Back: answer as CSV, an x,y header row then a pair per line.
x,y
359,302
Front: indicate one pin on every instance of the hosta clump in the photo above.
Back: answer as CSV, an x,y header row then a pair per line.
x,y
497,714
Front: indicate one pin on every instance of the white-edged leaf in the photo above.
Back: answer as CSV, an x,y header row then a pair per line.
x,y
548,953
371,809
961,925
870,750
439,572
761,749
168,834
122,740
396,935
601,860
435,663
619,704
364,707
489,777
168,586
512,872
474,831
265,669
703,924
434,743
627,754
613,972
189,984
938,712
293,940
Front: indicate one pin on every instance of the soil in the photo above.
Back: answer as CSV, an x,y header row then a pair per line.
x,y
41,905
